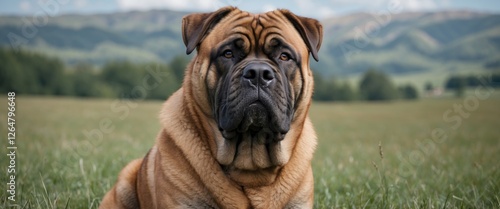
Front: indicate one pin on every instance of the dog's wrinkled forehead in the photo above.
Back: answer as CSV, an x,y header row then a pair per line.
x,y
256,30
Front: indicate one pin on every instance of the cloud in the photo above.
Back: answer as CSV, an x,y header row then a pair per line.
x,y
320,9
412,5
325,12
80,3
268,7
25,6
363,3
184,5
415,5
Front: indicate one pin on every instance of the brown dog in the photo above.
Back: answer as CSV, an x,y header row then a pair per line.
x,y
237,134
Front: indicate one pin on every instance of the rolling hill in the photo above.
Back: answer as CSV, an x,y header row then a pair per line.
x,y
410,45
412,42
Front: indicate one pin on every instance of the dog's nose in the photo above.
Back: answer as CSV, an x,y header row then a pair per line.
x,y
258,74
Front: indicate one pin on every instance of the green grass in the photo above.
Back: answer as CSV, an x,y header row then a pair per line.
x,y
461,171
58,167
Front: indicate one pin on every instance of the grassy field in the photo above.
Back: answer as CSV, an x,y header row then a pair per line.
x,y
379,155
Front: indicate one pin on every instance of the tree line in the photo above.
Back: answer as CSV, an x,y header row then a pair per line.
x,y
459,83
35,74
374,85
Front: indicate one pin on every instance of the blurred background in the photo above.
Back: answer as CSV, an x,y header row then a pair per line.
x,y
427,47
416,80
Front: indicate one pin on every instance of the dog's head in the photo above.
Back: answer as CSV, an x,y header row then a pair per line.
x,y
255,76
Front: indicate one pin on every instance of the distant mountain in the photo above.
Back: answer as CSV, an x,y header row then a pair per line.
x,y
138,36
407,43
401,44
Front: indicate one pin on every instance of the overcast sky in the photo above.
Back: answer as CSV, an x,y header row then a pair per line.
x,y
312,8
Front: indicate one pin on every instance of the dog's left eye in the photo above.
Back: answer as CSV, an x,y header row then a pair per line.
x,y
284,57
228,54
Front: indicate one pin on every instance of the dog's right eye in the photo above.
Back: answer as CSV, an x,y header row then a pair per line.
x,y
228,54
284,57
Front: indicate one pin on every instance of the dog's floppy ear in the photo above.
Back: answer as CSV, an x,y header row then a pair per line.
x,y
196,26
310,30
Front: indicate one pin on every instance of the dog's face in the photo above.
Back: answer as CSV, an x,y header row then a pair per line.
x,y
256,77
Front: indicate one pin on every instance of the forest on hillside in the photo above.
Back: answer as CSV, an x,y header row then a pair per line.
x,y
30,73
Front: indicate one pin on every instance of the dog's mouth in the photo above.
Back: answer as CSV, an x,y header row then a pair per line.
x,y
256,123
254,144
